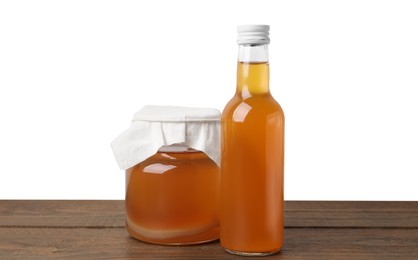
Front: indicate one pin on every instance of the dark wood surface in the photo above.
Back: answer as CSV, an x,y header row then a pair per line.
x,y
313,230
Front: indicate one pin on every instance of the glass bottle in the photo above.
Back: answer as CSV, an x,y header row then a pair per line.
x,y
172,197
252,154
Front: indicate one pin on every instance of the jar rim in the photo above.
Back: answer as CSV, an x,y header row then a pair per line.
x,y
177,148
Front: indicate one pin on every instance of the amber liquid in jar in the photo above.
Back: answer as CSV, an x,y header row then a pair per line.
x,y
173,198
252,166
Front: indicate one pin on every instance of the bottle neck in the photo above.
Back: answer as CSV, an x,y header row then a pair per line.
x,y
253,70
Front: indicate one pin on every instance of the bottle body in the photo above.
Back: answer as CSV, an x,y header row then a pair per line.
x,y
252,165
172,198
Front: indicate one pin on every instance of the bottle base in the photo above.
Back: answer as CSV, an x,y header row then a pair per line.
x,y
240,253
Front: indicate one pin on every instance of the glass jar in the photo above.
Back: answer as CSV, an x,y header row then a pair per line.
x,y
172,197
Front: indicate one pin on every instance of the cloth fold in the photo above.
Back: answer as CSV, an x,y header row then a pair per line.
x,y
155,126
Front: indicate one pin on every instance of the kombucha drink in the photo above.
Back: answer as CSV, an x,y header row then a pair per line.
x,y
252,157
173,198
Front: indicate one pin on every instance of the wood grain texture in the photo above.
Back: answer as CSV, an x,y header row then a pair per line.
x,y
115,243
314,230
110,213
62,213
351,214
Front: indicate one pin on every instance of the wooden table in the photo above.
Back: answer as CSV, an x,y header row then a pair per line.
x,y
314,230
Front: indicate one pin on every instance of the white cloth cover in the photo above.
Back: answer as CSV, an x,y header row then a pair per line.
x,y
155,126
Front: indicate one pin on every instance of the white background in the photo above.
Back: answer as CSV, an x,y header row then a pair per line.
x,y
72,73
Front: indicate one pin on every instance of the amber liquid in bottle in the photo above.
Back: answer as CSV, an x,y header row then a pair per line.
x,y
252,164
173,198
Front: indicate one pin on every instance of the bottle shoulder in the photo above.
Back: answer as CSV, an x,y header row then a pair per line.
x,y
257,105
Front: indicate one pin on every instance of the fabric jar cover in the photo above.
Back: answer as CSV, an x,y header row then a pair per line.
x,y
156,126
